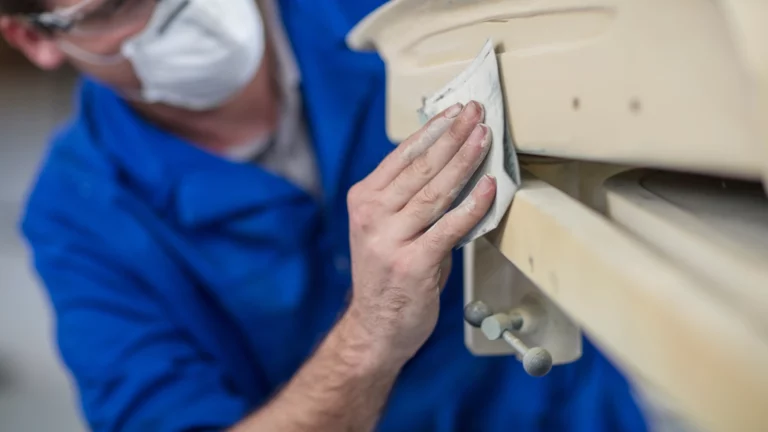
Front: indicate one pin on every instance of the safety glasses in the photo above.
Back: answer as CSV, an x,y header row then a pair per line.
x,y
94,16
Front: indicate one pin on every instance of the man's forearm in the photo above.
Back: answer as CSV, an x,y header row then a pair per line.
x,y
342,387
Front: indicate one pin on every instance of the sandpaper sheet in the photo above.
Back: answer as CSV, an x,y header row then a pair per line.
x,y
480,82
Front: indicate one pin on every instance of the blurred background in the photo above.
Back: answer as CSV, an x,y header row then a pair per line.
x,y
35,391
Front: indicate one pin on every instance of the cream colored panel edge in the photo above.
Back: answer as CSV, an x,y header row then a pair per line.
x,y
650,316
747,20
641,82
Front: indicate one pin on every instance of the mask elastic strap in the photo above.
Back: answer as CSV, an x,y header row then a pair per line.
x,y
133,96
89,57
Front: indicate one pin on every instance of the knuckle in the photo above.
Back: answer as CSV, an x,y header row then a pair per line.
x,y
419,213
428,197
477,210
477,213
456,132
356,222
422,168
399,185
361,216
452,226
354,195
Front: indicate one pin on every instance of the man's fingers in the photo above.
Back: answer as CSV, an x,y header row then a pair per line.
x,y
438,195
411,148
457,223
427,164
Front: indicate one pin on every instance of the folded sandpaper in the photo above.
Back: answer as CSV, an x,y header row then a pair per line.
x,y
480,82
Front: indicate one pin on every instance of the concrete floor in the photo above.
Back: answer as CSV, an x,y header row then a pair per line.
x,y
35,392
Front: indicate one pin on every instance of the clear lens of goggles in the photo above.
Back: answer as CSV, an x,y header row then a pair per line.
x,y
97,16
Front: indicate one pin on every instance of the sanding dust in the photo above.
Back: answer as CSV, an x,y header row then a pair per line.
x,y
428,137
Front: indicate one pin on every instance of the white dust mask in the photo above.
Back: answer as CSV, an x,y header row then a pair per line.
x,y
193,54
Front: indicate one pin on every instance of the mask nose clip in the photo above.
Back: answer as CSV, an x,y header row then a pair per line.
x,y
172,16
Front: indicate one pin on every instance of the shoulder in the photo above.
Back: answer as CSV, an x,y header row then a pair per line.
x,y
71,177
73,202
83,243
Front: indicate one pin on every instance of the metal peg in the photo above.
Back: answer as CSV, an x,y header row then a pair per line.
x,y
536,361
475,313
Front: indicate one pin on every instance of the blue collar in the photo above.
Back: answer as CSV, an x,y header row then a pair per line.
x,y
170,173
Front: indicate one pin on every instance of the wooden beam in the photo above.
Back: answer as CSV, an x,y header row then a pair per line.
x,y
652,318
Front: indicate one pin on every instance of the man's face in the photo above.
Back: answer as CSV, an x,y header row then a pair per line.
x,y
104,27
91,35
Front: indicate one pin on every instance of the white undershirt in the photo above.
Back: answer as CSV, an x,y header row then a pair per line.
x,y
288,152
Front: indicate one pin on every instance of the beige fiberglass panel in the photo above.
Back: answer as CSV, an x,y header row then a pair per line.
x,y
747,19
641,82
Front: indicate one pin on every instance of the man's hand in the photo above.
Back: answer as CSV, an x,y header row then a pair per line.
x,y
401,244
401,237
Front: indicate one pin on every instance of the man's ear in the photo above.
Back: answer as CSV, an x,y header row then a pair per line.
x,y
39,48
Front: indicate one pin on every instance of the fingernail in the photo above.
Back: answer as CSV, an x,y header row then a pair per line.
x,y
474,109
471,109
486,184
454,111
479,135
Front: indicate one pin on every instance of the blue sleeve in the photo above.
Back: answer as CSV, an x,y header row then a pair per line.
x,y
135,369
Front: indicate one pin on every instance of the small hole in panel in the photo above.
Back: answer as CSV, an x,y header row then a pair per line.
x,y
635,106
576,104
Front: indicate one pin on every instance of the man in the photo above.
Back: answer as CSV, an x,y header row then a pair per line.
x,y
223,188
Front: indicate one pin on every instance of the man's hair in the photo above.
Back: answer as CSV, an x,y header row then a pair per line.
x,y
13,7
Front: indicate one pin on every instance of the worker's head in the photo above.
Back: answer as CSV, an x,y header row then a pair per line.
x,y
188,53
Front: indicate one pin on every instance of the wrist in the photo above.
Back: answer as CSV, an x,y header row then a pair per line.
x,y
362,349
